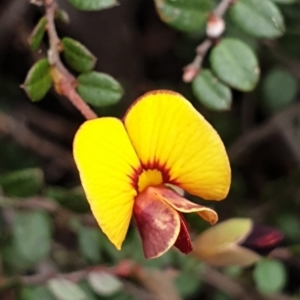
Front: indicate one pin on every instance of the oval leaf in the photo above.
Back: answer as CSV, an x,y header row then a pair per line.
x,y
219,245
259,18
90,243
103,283
62,15
280,89
269,276
32,235
64,289
93,4
24,183
38,80
73,199
189,16
37,34
235,64
99,89
77,55
35,293
211,92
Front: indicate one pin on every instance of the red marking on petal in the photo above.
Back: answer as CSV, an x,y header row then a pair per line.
x,y
263,239
158,165
157,222
135,177
183,242
154,165
183,205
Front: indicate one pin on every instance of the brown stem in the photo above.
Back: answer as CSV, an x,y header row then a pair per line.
x,y
280,123
44,204
191,70
28,139
64,82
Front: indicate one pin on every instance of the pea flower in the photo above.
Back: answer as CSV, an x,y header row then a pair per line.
x,y
137,166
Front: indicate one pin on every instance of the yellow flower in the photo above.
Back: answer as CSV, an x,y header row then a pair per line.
x,y
135,165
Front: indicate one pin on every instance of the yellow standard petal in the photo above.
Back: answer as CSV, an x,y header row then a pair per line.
x,y
168,134
108,167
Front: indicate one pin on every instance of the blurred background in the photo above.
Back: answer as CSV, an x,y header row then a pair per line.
x,y
261,131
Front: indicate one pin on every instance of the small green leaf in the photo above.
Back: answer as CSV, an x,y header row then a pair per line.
x,y
93,4
235,64
187,282
38,80
24,183
64,289
289,225
259,18
32,235
89,240
73,199
99,89
88,291
269,276
62,15
189,16
280,89
77,55
219,245
35,293
104,284
211,92
37,34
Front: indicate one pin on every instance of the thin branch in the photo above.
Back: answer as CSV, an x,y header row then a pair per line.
x,y
221,9
234,289
125,269
192,69
53,125
225,284
64,82
29,140
280,123
48,205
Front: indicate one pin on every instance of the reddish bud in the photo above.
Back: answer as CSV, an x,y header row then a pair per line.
x,y
263,239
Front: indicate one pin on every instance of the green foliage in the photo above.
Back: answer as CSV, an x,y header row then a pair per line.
x,y
77,55
35,293
63,16
279,88
37,35
23,183
261,19
104,284
88,290
64,289
70,240
31,236
38,80
93,4
73,199
235,64
189,16
211,92
89,241
269,276
188,280
99,89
